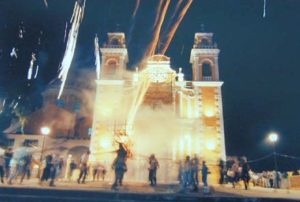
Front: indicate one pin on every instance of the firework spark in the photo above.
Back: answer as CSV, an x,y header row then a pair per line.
x,y
13,53
175,27
97,57
30,70
76,19
152,47
36,72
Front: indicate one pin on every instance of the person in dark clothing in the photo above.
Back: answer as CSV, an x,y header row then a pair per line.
x,y
120,167
7,157
204,172
222,171
245,174
73,166
25,167
153,165
47,169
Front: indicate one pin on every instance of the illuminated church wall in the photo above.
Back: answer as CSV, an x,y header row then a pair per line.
x,y
159,111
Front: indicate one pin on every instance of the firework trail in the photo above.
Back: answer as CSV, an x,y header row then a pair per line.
x,y
175,27
158,10
30,70
65,35
97,57
151,49
173,15
265,4
46,3
137,5
76,19
36,72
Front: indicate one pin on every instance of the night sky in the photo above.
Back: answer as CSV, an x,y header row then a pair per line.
x,y
259,60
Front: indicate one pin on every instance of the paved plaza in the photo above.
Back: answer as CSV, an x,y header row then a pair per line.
x,y
101,191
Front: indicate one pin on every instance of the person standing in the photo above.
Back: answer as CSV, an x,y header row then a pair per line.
x,y
204,172
2,166
73,166
119,165
187,172
153,166
245,174
83,167
47,168
195,170
7,157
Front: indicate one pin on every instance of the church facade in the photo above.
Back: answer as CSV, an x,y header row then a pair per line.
x,y
154,110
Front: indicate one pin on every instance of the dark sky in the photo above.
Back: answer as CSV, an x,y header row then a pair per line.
x,y
258,61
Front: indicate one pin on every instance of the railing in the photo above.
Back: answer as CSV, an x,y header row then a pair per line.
x,y
205,46
114,46
207,78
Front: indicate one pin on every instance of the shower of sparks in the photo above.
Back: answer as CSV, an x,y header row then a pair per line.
x,y
76,19
152,47
175,27
30,70
97,57
265,4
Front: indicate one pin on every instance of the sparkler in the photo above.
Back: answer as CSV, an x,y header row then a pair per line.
x,y
97,57
175,27
76,19
30,70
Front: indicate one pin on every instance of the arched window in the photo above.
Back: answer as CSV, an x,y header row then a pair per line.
x,y
204,42
206,71
114,42
111,69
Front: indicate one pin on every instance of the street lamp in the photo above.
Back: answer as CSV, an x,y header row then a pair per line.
x,y
273,138
45,131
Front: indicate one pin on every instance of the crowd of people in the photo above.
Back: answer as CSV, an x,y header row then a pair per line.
x,y
19,165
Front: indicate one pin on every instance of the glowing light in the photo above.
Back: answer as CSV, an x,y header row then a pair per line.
x,y
211,145
45,130
209,112
105,143
273,137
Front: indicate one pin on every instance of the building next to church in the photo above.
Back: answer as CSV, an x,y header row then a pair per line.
x,y
155,110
